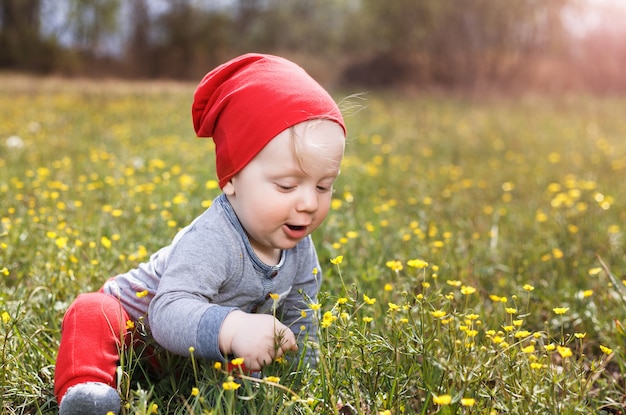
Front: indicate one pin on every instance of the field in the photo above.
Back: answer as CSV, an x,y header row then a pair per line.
x,y
473,258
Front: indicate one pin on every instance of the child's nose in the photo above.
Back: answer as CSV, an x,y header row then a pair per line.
x,y
307,201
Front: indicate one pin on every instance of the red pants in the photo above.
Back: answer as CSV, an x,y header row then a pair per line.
x,y
92,336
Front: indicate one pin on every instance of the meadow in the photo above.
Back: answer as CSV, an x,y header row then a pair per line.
x,y
473,259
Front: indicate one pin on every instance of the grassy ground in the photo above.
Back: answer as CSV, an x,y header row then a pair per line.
x,y
462,257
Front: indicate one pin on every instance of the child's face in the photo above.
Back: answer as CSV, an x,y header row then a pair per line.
x,y
284,193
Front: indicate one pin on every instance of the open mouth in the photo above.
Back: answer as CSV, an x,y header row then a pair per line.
x,y
296,227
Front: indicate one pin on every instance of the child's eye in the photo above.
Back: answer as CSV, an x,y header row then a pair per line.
x,y
284,188
324,189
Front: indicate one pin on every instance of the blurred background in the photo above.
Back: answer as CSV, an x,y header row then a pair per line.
x,y
543,45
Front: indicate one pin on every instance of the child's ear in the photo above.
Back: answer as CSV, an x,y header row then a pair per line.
x,y
229,188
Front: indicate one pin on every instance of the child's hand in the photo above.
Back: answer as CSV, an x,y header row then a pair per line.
x,y
258,338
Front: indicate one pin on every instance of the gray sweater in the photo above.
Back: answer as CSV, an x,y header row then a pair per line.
x,y
188,287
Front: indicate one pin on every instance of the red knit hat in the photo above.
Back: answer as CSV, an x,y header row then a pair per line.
x,y
246,102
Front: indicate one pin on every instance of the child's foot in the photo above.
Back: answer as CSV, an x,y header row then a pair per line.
x,y
91,398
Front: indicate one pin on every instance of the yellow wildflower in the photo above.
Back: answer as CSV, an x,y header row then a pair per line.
x,y
438,313
141,294
606,350
368,300
468,401
238,361
442,399
195,391
274,296
564,351
560,310
337,260
272,379
6,317
315,306
417,263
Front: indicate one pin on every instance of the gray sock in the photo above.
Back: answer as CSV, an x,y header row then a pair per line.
x,y
91,398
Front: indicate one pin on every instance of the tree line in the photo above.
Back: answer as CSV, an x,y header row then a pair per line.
x,y
547,44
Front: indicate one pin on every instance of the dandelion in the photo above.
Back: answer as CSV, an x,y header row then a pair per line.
x,y
606,350
337,260
560,310
368,300
442,399
468,401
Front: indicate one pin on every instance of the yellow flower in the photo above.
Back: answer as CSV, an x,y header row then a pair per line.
x,y
394,265
6,317
528,349
367,319
594,271
417,263
154,408
466,290
454,283
274,296
536,366
368,300
549,347
528,287
230,385
510,310
337,260
315,271
388,287
217,365
130,325
141,294
442,399
468,401
106,242
315,306
438,313
560,310
195,391
587,293
5,271
238,361
272,379
191,349
564,351
342,300
580,335
606,350
393,307
303,314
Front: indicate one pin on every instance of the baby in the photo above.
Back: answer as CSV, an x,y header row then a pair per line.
x,y
237,281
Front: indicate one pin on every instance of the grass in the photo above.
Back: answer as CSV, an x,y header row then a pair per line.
x,y
472,258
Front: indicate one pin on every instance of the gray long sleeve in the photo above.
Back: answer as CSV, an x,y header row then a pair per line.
x,y
209,270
